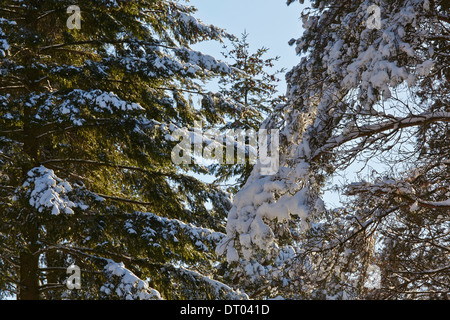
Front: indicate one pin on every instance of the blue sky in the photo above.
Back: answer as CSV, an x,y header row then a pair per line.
x,y
269,23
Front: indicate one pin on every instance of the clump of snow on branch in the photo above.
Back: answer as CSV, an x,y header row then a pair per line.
x,y
220,289
181,16
154,226
47,191
68,107
4,46
126,285
197,59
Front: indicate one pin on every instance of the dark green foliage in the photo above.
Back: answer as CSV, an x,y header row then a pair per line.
x,y
91,107
255,89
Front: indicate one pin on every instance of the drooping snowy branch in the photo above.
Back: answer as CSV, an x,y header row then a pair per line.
x,y
126,285
209,286
373,131
404,190
4,46
150,227
48,192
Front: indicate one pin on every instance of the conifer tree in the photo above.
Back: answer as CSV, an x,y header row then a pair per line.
x,y
255,88
90,92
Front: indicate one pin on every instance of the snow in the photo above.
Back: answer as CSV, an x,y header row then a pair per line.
x,y
220,289
4,45
232,255
197,59
255,203
112,102
445,203
424,68
286,206
414,207
49,191
373,130
70,105
373,277
365,68
170,228
187,22
367,71
130,287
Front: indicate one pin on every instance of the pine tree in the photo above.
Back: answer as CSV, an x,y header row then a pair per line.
x,y
255,89
87,111
368,87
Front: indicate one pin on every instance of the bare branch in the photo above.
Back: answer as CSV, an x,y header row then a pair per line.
x,y
373,129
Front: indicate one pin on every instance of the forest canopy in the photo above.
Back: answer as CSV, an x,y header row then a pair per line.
x,y
92,92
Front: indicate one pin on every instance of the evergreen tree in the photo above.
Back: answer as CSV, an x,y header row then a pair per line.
x,y
255,89
368,87
87,109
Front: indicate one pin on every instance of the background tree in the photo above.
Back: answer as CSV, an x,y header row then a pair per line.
x,y
255,89
86,175
359,94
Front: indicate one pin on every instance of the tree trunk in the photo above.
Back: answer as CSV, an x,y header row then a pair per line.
x,y
29,260
29,263
29,279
